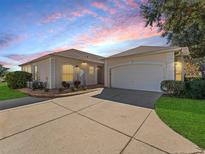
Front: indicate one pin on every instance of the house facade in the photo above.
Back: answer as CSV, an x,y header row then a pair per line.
x,y
69,65
144,67
141,68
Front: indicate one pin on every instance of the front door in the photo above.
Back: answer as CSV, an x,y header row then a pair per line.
x,y
100,75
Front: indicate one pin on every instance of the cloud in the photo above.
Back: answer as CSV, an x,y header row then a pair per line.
x,y
22,58
104,7
7,64
117,3
132,3
81,11
53,17
114,29
7,39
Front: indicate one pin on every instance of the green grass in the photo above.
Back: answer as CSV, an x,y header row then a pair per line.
x,y
7,93
185,116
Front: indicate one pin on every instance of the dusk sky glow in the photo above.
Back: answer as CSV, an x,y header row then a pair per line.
x,y
32,28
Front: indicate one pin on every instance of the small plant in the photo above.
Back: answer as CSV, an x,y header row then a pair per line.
x,y
77,84
72,89
65,84
46,89
37,85
84,87
60,89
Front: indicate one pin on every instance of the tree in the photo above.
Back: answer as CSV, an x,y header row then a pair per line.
x,y
3,70
182,22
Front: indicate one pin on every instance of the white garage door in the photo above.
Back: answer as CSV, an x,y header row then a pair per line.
x,y
137,76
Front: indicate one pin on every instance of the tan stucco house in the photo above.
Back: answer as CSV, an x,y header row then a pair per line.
x,y
144,67
68,65
141,68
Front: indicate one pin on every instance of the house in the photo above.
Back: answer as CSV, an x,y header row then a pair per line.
x,y
144,67
141,68
68,65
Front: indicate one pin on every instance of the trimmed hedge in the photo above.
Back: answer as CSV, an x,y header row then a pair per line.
x,y
195,89
173,88
18,79
185,89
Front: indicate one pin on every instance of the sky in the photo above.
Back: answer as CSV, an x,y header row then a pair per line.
x,y
33,28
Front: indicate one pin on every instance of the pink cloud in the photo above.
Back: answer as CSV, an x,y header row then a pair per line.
x,y
28,57
53,17
117,3
102,6
119,28
132,3
68,15
7,64
25,58
83,12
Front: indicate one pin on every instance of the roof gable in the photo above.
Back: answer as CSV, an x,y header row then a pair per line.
x,y
144,50
71,53
77,54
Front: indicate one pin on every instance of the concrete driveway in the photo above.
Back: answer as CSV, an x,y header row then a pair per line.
x,y
87,124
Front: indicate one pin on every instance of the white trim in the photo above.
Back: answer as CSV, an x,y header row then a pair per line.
x,y
147,53
52,74
136,62
50,70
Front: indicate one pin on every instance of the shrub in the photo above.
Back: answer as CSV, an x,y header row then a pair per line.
x,y
18,79
188,89
173,88
37,85
192,78
195,89
65,84
77,83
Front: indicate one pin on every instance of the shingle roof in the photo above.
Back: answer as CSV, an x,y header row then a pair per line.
x,y
71,53
143,50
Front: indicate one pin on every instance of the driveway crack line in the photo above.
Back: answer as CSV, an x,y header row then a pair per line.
x,y
135,133
151,145
36,126
79,109
103,124
72,112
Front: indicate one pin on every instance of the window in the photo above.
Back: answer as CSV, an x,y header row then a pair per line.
x,y
35,72
91,70
67,72
178,71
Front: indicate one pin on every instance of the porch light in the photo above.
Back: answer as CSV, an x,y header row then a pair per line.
x,y
84,63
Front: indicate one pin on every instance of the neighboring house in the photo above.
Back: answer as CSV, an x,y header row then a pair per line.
x,y
141,68
144,67
69,65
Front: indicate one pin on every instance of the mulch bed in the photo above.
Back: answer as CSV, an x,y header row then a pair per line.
x,y
54,93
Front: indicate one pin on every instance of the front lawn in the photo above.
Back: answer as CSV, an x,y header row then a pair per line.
x,y
185,116
7,93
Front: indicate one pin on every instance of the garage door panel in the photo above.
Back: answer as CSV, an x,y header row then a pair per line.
x,y
137,76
